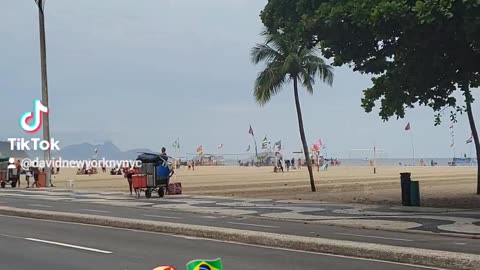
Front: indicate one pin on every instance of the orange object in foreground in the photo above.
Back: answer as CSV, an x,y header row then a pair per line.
x,y
42,180
164,268
139,181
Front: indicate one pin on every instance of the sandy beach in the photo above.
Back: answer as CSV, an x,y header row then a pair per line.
x,y
440,186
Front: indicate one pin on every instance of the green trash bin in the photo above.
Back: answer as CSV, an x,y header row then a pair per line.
x,y
414,193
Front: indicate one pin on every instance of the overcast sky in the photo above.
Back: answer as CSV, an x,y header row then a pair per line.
x,y
140,73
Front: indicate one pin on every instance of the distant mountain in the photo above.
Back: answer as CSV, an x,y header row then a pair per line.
x,y
107,150
6,152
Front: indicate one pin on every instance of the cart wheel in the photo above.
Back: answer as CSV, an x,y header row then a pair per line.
x,y
148,193
2,184
161,192
13,184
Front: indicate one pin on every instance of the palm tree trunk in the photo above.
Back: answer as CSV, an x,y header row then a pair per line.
x,y
471,120
302,135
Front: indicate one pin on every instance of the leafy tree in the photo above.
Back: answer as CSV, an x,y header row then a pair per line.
x,y
419,52
288,61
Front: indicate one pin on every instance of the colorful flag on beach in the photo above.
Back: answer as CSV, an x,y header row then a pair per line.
x,y
176,144
248,148
220,146
407,127
318,145
200,150
205,265
278,146
265,142
452,133
470,140
250,131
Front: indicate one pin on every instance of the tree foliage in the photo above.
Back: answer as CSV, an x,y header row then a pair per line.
x,y
419,52
287,60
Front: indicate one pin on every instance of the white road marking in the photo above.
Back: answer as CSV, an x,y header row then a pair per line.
x,y
460,244
69,246
40,205
255,225
10,236
209,217
96,211
158,216
376,237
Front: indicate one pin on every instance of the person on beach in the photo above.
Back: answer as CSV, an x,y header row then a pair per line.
x,y
129,175
279,164
19,170
28,174
164,156
35,172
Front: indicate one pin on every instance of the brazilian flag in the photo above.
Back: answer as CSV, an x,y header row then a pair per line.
x,y
205,265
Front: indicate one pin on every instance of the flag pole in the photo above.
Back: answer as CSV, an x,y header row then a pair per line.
x,y
453,142
175,164
256,149
471,147
413,148
283,159
177,148
254,140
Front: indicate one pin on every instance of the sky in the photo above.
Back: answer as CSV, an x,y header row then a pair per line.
x,y
142,73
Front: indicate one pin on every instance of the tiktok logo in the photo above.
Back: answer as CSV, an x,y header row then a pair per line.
x,y
37,115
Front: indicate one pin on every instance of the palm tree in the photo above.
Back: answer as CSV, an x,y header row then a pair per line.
x,y
288,61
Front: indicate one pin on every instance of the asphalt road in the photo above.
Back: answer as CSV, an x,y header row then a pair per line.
x,y
404,239
36,244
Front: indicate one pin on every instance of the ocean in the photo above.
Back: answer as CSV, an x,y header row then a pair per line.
x,y
380,162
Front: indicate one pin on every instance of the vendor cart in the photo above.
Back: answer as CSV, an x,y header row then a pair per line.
x,y
154,177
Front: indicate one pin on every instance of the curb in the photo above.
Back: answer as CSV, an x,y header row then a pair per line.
x,y
320,222
416,256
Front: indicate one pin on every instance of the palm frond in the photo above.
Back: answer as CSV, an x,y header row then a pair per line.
x,y
314,65
268,83
263,52
307,81
286,59
293,64
278,42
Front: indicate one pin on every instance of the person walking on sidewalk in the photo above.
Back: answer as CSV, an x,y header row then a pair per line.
x,y
35,172
129,175
28,174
